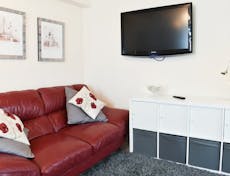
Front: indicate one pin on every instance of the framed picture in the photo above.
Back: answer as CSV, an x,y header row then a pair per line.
x,y
12,34
50,40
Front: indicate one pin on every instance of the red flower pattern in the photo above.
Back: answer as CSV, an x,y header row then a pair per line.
x,y
79,100
19,127
10,115
4,128
93,106
92,96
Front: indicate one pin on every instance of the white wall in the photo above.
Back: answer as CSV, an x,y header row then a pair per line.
x,y
29,73
117,78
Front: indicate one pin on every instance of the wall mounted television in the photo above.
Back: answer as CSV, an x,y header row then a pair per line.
x,y
157,31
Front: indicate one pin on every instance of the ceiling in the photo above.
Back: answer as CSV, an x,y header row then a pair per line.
x,y
79,3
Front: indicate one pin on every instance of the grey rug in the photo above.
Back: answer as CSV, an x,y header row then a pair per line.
x,y
123,163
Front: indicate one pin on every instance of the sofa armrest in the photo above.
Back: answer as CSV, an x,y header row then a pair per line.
x,y
12,165
118,117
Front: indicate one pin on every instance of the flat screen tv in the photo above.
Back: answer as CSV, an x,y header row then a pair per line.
x,y
157,31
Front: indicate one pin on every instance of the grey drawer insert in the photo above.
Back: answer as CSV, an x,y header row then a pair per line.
x,y
226,158
204,153
145,142
173,148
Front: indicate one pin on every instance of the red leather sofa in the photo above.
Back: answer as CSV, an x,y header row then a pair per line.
x,y
59,149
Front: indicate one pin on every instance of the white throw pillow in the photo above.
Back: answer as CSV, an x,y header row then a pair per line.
x,y
11,127
87,102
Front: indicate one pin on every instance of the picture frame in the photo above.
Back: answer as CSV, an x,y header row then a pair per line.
x,y
51,40
12,34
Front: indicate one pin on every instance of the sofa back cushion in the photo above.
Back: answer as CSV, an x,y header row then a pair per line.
x,y
38,127
58,119
54,100
42,111
78,86
54,97
25,104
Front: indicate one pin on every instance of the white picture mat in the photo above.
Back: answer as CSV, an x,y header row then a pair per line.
x,y
56,30
11,25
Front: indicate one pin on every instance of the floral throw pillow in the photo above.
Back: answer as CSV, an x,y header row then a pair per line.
x,y
87,102
16,148
11,127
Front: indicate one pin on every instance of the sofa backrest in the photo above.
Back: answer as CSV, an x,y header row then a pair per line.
x,y
26,104
42,111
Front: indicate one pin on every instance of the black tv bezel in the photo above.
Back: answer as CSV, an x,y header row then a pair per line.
x,y
159,52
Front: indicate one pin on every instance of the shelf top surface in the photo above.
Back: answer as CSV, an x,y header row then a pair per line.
x,y
189,101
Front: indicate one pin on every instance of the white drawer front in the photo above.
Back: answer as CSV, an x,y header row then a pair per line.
x,y
173,119
227,126
144,116
206,123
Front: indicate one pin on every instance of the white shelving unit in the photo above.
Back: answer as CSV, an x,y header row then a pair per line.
x,y
204,119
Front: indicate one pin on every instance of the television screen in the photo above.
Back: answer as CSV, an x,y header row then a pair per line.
x,y
157,31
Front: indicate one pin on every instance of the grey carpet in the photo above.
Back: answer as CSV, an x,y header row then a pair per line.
x,y
123,163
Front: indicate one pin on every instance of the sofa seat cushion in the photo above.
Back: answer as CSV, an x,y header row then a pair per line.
x,y
55,153
17,166
118,117
98,134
